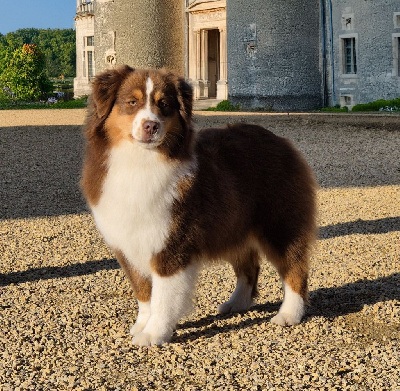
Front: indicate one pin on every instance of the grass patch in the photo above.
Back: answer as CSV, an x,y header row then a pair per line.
x,y
379,105
70,104
224,105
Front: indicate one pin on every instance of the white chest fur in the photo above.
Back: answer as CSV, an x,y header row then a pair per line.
x,y
134,210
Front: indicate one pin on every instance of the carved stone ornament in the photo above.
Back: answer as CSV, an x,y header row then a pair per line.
x,y
111,58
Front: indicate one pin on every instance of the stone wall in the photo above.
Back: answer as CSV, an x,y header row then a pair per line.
x,y
274,54
278,51
376,27
141,33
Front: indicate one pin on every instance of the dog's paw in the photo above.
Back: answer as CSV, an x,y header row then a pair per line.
x,y
142,318
226,308
284,319
147,339
232,306
137,328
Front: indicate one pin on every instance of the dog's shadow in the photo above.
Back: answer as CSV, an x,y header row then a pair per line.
x,y
208,327
326,302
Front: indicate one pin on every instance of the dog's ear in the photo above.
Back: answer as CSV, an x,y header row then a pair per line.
x,y
105,88
185,99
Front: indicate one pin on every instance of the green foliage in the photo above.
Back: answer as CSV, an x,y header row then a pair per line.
x,y
71,104
5,99
224,105
26,75
379,105
58,45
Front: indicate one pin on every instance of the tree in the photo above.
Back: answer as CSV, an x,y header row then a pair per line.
x,y
58,45
25,76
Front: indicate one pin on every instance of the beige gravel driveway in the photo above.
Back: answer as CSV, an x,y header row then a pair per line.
x,y
66,307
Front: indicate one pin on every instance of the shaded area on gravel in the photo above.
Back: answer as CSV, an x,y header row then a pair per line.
x,y
50,272
365,227
42,170
48,159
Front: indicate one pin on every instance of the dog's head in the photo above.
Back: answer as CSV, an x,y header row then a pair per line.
x,y
150,107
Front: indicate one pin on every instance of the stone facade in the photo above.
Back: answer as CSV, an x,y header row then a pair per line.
x,y
373,29
277,54
207,60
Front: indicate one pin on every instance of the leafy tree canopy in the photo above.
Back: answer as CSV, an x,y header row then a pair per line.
x,y
57,45
25,77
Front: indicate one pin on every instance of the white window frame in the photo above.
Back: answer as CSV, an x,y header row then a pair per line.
x,y
342,55
88,73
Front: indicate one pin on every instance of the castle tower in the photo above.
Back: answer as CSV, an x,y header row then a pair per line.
x,y
84,26
274,54
140,33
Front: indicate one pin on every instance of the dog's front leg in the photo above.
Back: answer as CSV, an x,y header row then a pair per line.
x,y
171,298
141,287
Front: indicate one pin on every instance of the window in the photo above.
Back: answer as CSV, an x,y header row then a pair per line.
x,y
88,57
396,20
84,73
90,64
349,56
396,54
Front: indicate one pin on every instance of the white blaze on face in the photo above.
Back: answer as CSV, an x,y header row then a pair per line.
x,y
146,114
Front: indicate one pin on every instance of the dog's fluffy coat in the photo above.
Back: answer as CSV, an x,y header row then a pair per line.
x,y
165,198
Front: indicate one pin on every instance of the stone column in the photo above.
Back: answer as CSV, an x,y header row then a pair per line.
x,y
204,62
196,64
222,84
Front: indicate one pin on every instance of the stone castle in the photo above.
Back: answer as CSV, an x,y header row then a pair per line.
x,y
278,54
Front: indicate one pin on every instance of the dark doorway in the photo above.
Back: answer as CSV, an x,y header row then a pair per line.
x,y
213,62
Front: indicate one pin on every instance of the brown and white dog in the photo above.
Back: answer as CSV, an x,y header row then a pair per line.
x,y
165,197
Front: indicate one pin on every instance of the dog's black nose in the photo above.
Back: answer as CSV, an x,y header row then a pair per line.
x,y
151,127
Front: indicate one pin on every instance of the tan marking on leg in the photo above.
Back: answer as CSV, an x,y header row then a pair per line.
x,y
293,265
247,263
141,285
293,270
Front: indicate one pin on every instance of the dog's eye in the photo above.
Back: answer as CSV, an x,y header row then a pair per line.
x,y
162,104
132,103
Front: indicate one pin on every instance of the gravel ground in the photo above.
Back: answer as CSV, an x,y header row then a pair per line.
x,y
66,307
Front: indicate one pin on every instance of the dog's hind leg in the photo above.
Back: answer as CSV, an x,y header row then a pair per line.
x,y
293,270
246,266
